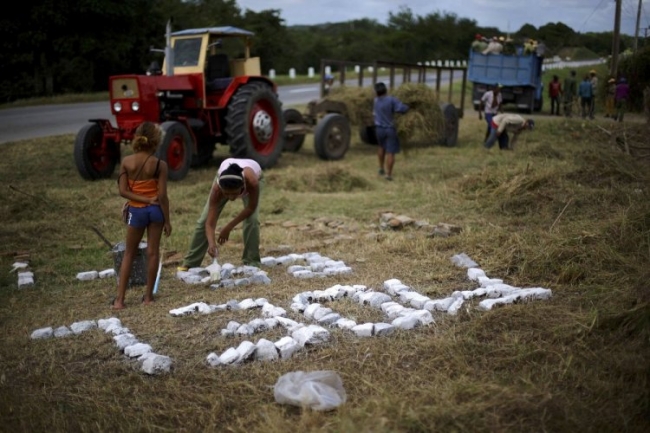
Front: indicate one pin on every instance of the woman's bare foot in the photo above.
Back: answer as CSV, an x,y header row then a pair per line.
x,y
115,305
146,300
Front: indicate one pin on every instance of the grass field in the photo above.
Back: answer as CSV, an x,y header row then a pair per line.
x,y
567,210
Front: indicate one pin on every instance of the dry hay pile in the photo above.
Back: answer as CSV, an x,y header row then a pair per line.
x,y
423,124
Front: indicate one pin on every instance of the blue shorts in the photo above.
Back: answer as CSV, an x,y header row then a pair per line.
x,y
387,138
140,217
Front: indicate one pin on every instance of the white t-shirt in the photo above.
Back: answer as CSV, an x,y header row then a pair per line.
x,y
488,99
243,163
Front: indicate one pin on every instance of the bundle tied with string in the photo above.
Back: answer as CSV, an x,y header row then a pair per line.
x,y
422,125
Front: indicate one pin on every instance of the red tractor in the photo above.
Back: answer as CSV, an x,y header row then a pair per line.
x,y
200,97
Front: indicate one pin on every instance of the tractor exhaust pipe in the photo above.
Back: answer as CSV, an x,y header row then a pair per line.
x,y
169,52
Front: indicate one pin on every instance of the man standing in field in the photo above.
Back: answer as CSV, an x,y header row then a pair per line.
x,y
491,105
593,79
554,93
585,91
570,93
384,108
505,123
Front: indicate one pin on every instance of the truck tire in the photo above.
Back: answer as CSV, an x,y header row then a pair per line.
x,y
175,149
93,160
293,142
539,104
449,137
368,135
254,124
332,137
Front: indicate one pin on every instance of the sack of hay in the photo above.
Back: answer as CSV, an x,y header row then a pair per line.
x,y
423,124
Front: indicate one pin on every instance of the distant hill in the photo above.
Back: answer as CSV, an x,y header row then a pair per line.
x,y
577,53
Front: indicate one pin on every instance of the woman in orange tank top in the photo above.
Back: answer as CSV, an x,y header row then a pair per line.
x,y
143,181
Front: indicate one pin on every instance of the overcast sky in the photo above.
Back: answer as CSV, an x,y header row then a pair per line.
x,y
507,15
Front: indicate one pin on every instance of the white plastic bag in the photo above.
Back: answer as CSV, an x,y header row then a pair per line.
x,y
318,390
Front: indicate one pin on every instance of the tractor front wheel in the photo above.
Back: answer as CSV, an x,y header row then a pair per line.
x,y
449,137
176,149
292,141
94,157
254,124
332,137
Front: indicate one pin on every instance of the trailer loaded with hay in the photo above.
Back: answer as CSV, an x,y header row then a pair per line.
x,y
331,118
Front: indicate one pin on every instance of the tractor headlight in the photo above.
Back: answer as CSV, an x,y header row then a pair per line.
x,y
135,106
117,106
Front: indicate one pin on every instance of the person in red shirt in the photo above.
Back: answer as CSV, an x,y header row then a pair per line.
x,y
554,93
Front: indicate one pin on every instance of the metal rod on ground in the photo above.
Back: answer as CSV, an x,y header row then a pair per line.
x,y
106,241
157,283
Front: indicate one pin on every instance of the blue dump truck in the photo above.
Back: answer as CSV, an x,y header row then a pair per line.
x,y
519,74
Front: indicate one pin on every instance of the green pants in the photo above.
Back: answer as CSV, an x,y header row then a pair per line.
x,y
251,231
621,105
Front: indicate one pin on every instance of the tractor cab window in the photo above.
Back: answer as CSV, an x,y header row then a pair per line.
x,y
187,52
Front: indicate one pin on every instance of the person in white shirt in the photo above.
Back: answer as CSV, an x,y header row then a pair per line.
x,y
493,47
505,123
490,105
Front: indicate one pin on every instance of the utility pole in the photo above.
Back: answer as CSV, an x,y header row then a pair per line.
x,y
617,37
638,24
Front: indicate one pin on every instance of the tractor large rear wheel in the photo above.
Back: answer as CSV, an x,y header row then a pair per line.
x,y
94,158
332,137
255,125
176,149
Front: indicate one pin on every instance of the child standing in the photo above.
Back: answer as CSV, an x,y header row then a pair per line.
x,y
143,181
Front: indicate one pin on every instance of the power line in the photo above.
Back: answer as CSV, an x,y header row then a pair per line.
x,y
591,14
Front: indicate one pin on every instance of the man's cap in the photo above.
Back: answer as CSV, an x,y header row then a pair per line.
x,y
593,71
501,38
478,36
531,124
611,80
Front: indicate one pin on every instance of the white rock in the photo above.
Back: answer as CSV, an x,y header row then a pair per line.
x,y
455,306
286,322
261,302
317,266
116,329
346,323
199,271
265,350
341,270
107,273
246,349
284,260
378,299
197,307
244,330
269,261
419,301
462,260
498,290
213,360
394,311
142,358
474,273
271,322
215,308
391,282
311,309
382,329
227,333
260,278
321,312
25,279
230,356
137,350
105,323
386,305
247,304
269,310
306,274
349,291
406,297
297,308
439,304
125,340
517,296
406,322
62,331
396,289
310,335
364,330
42,333
157,364
242,282
233,326
87,276
323,296
86,325
329,319
293,268
423,316
287,346
258,325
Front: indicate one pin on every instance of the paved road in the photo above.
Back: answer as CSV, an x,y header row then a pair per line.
x,y
48,120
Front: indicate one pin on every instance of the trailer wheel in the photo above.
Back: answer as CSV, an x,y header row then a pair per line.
x,y
449,136
254,124
94,158
176,149
539,103
332,137
293,142
368,135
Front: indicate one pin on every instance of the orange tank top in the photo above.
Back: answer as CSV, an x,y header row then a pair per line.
x,y
147,188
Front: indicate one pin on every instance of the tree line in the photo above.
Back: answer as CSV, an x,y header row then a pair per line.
x,y
73,46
